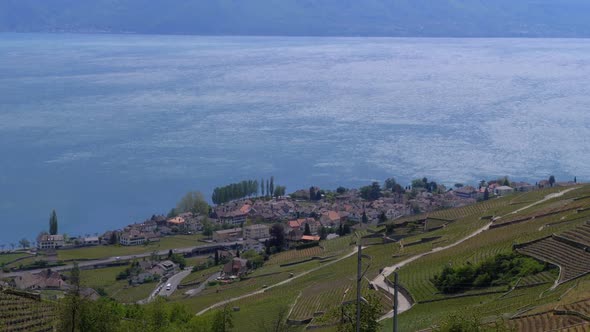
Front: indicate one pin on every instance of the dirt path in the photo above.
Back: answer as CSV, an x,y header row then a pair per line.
x,y
404,303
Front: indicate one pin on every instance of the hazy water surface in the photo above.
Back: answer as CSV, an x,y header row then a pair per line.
x,y
110,129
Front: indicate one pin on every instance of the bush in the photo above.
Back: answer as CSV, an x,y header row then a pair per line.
x,y
502,269
307,245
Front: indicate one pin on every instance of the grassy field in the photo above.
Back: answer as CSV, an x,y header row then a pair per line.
x,y
166,243
117,289
7,258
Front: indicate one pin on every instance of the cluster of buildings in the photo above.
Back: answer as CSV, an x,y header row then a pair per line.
x,y
294,213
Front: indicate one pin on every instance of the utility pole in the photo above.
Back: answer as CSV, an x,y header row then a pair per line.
x,y
358,287
395,303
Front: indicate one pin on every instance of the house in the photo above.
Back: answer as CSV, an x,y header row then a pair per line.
x,y
330,219
148,226
503,190
465,192
46,241
523,187
176,221
309,238
256,232
91,241
132,238
236,267
89,294
227,234
45,279
167,266
163,268
299,224
235,217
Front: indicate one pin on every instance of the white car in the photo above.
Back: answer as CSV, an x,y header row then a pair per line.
x,y
168,286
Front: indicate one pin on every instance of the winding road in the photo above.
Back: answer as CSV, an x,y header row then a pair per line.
x,y
404,303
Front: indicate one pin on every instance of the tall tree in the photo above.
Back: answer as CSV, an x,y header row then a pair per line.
x,y
267,188
70,305
370,312
307,230
53,223
551,180
272,186
312,193
261,187
24,243
193,202
277,236
223,320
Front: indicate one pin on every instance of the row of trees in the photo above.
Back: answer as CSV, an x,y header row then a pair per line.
x,y
247,188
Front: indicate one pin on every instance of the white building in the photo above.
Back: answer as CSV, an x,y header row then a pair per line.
x,y
132,238
46,241
256,232
503,190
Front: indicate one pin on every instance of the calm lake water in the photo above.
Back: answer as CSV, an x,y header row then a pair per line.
x,y
110,129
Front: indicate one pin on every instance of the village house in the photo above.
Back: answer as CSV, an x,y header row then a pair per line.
x,y
132,238
256,232
331,219
233,217
46,241
227,235
309,238
148,226
299,225
465,192
523,186
45,279
91,241
237,267
503,190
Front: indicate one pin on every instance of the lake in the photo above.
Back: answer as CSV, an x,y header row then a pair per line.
x,y
110,129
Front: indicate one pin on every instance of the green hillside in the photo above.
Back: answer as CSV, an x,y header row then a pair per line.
x,y
318,286
537,240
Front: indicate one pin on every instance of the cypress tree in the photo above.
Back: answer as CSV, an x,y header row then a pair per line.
x,y
272,185
53,223
307,230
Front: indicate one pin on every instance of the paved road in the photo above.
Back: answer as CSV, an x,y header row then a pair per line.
x,y
174,281
196,291
91,263
404,303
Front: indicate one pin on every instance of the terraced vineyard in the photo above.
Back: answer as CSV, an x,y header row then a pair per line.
x,y
579,235
553,209
582,307
549,322
317,299
25,312
295,255
545,277
573,261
